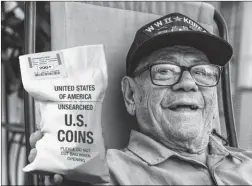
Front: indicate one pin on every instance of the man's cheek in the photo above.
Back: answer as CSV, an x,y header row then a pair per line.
x,y
155,100
142,105
210,105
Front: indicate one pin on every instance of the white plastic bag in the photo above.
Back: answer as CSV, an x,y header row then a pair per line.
x,y
69,85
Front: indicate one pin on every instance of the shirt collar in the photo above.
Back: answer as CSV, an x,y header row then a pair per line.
x,y
154,152
216,148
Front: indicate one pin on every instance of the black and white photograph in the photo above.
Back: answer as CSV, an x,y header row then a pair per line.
x,y
126,93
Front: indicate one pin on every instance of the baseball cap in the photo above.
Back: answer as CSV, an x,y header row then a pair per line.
x,y
176,29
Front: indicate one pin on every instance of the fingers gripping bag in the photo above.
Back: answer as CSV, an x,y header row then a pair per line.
x,y
69,86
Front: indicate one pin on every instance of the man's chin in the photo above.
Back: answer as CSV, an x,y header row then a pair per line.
x,y
185,125
187,134
183,117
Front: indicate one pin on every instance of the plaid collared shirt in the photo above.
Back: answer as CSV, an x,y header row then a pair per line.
x,y
145,161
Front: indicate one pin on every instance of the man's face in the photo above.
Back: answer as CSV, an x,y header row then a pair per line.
x,y
168,112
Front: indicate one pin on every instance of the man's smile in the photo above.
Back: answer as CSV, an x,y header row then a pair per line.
x,y
183,105
180,108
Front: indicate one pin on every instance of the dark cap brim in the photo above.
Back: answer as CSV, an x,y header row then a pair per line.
x,y
216,49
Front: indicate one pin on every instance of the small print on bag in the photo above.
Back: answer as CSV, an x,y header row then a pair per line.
x,y
47,65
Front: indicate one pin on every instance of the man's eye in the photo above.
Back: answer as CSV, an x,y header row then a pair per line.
x,y
204,73
199,73
164,72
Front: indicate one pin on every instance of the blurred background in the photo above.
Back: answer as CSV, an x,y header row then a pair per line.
x,y
236,14
12,94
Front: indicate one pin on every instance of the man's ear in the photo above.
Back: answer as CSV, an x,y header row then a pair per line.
x,y
128,86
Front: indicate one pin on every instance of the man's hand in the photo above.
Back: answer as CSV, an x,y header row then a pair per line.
x,y
55,179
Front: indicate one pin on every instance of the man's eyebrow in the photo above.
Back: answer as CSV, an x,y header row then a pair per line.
x,y
200,60
166,58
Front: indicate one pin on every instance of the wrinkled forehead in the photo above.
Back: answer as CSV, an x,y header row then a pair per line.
x,y
176,55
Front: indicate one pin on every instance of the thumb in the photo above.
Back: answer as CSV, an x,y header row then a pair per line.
x,y
56,179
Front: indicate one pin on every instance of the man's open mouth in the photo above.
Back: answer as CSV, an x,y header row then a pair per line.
x,y
183,107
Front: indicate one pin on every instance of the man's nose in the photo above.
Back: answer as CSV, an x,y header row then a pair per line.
x,y
186,83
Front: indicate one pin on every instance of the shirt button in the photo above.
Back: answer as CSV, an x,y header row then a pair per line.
x,y
236,161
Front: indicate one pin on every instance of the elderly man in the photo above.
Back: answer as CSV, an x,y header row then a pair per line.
x,y
173,67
